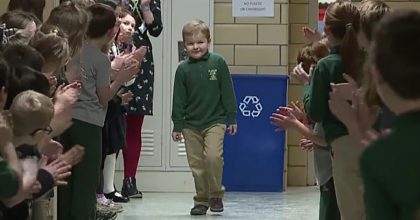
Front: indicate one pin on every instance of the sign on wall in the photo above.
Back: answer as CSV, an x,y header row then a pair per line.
x,y
253,8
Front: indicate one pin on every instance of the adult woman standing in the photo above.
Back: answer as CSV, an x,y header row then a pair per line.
x,y
148,22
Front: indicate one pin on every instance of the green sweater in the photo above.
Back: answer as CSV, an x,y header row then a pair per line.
x,y
203,94
8,180
390,172
329,70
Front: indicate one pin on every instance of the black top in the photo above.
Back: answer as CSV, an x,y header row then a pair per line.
x,y
142,88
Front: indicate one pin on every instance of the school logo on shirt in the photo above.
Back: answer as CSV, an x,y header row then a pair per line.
x,y
213,74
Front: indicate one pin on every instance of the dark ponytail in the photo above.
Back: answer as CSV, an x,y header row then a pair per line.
x,y
350,52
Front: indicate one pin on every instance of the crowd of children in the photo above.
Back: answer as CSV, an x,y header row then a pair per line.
x,y
59,79
366,102
65,85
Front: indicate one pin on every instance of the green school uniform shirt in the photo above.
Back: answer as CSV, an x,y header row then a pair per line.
x,y
9,183
330,69
390,169
203,94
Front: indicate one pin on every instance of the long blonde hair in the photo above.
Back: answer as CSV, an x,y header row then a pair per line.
x,y
73,21
52,43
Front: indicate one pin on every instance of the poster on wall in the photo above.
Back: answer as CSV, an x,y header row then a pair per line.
x,y
253,8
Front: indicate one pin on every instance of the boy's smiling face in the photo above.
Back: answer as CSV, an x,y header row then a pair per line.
x,y
197,45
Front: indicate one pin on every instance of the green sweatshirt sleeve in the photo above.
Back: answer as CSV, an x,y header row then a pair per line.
x,y
179,100
306,95
228,93
377,202
316,95
8,179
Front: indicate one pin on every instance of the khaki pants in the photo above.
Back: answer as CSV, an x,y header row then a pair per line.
x,y
347,180
205,157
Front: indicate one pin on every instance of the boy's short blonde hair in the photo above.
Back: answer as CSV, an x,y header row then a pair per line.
x,y
195,27
31,111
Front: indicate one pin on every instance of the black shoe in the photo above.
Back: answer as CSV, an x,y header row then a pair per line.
x,y
129,188
117,197
216,205
199,210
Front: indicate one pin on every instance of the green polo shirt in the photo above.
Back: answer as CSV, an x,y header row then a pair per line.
x,y
390,169
329,70
203,94
9,183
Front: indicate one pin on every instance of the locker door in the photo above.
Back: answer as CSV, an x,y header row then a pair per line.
x,y
182,13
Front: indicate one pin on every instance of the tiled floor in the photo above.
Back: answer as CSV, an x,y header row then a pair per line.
x,y
295,204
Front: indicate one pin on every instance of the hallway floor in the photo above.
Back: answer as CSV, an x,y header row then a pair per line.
x,y
299,203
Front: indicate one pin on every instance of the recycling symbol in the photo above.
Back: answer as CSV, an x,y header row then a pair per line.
x,y
251,106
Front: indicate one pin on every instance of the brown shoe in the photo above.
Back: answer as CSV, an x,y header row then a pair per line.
x,y
216,205
199,210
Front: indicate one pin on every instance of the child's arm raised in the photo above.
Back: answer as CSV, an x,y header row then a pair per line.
x,y
128,71
65,97
284,119
106,93
316,94
151,11
357,117
309,134
311,34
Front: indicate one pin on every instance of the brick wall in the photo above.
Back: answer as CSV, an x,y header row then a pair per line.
x,y
298,159
397,4
252,45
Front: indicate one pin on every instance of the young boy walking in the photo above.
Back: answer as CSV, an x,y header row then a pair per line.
x,y
204,106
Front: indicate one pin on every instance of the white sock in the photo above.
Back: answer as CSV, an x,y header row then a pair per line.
x,y
109,171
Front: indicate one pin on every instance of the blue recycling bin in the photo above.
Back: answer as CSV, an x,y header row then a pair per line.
x,y
254,157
